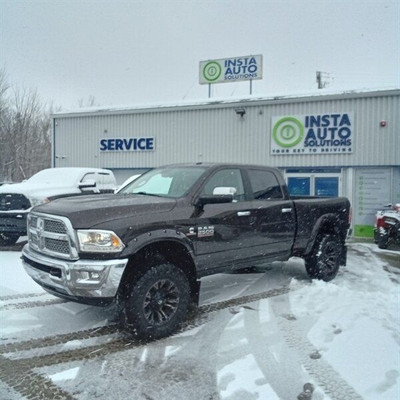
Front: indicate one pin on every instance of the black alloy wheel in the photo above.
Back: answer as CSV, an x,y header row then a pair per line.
x,y
161,302
156,303
323,263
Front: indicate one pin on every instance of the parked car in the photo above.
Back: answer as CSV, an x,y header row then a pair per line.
x,y
47,185
147,246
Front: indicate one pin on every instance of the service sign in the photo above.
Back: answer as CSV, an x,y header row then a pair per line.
x,y
231,69
328,133
127,144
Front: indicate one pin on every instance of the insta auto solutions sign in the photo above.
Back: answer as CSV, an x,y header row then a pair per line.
x,y
233,69
312,134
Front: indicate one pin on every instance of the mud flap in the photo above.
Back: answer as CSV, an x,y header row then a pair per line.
x,y
195,295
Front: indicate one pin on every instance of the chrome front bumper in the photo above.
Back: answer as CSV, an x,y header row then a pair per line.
x,y
79,280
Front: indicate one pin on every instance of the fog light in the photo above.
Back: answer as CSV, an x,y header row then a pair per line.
x,y
83,275
88,277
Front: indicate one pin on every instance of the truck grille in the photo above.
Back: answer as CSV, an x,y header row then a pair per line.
x,y
13,201
56,245
51,235
51,225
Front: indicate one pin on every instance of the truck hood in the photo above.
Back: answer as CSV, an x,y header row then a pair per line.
x,y
87,211
30,190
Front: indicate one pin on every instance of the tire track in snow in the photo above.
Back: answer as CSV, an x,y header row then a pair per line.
x,y
31,304
30,384
325,375
109,329
37,387
22,296
295,336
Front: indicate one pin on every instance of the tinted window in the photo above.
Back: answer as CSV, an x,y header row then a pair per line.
x,y
264,185
89,176
227,178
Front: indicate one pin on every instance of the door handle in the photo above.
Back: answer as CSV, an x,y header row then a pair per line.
x,y
286,210
243,213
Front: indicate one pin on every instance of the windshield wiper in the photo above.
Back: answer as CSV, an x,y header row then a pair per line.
x,y
148,194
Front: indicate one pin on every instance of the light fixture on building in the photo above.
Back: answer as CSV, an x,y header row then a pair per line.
x,y
240,111
383,124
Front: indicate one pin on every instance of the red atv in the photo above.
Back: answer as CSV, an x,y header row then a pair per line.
x,y
387,226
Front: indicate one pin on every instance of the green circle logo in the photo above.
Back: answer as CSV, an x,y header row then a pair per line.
x,y
288,132
212,71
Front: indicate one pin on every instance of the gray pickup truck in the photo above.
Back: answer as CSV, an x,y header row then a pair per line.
x,y
147,246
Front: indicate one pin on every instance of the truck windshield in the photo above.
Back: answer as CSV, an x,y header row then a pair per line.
x,y
165,182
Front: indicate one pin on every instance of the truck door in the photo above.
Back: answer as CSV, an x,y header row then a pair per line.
x,y
274,216
224,230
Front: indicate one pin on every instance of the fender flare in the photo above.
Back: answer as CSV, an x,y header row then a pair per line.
x,y
159,235
326,219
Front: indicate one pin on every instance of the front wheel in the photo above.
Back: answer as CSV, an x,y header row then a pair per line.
x,y
8,239
324,261
157,302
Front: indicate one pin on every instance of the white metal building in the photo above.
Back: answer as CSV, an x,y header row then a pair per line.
x,y
343,144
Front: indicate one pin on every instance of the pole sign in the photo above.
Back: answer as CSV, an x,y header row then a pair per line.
x,y
312,134
231,69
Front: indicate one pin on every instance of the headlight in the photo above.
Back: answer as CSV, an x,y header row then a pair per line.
x,y
37,201
96,241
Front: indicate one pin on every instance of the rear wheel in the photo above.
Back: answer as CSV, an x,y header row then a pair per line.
x,y
157,302
324,261
383,241
8,239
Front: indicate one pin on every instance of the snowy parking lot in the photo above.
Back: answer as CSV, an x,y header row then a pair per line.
x,y
258,335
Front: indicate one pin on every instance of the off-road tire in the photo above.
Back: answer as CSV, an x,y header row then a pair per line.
x,y
383,241
157,302
324,261
8,239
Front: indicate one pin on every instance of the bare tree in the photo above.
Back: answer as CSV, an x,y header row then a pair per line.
x,y
25,146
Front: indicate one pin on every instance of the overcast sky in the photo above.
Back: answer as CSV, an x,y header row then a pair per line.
x,y
140,52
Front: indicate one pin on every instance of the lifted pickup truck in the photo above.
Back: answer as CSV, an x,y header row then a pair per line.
x,y
17,200
147,246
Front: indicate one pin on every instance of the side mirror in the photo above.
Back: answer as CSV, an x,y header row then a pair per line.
x,y
224,190
217,199
90,183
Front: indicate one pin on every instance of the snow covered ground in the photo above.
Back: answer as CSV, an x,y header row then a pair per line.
x,y
256,336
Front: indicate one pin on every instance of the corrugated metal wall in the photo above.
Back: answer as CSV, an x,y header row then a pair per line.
x,y
215,133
